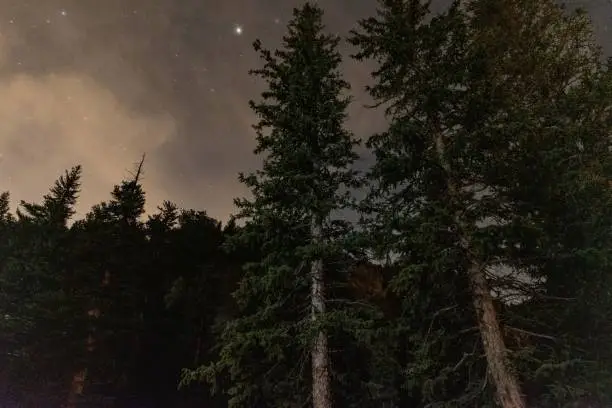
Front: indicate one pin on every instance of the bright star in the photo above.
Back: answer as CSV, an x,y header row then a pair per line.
x,y
238,29
63,13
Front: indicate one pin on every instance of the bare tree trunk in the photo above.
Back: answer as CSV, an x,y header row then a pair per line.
x,y
76,388
506,383
196,357
507,387
321,383
78,379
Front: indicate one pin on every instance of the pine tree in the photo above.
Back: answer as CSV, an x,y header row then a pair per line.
x,y
58,205
483,101
199,298
112,265
304,180
39,312
5,207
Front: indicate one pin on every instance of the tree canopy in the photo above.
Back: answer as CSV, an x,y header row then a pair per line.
x,y
478,274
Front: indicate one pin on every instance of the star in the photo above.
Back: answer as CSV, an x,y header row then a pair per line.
x,y
63,13
238,29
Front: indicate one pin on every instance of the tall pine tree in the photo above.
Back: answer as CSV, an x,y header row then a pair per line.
x,y
112,269
496,121
40,313
306,175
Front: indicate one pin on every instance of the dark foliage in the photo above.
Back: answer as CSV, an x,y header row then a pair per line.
x,y
117,308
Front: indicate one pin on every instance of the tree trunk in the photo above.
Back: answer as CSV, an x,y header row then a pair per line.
x,y
321,384
507,388
76,388
506,384
78,379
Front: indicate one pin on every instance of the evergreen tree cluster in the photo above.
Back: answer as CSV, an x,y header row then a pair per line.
x,y
477,275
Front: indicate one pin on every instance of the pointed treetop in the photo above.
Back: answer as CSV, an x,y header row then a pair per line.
x,y
58,204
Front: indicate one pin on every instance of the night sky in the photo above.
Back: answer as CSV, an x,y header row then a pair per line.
x,y
100,82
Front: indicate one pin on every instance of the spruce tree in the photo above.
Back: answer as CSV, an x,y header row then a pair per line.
x,y
5,208
493,125
307,153
57,206
112,267
40,321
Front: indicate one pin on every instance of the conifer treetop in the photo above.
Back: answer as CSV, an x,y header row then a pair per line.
x,y
301,130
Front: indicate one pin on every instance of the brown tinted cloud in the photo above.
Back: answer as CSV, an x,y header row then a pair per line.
x,y
100,82
54,116
100,86
52,122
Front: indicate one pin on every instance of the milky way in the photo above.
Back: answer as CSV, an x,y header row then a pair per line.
x,y
98,83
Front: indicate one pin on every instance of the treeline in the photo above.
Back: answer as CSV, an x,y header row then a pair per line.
x,y
113,305
478,274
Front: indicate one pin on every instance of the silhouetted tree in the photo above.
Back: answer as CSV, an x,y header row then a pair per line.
x,y
37,303
286,318
496,126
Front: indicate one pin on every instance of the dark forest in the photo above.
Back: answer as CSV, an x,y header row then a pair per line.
x,y
476,273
